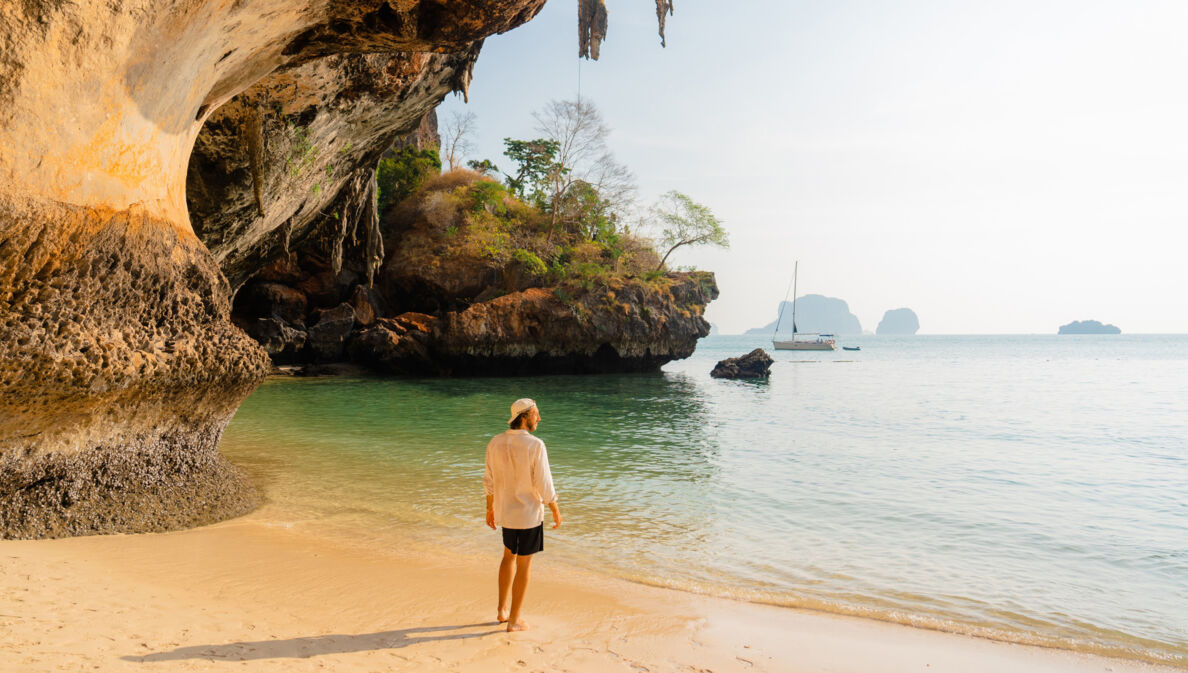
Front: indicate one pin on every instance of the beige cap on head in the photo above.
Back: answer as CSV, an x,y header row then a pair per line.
x,y
520,406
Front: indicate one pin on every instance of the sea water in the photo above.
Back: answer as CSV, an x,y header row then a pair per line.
x,y
1030,489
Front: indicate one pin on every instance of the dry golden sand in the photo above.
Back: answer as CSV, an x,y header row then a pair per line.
x,y
247,596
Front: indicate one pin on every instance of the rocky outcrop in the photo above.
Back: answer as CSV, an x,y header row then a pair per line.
x,y
1088,327
753,365
635,325
898,322
814,314
119,365
456,297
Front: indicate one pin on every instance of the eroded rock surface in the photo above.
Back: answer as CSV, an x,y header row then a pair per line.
x,y
119,365
753,365
638,326
294,156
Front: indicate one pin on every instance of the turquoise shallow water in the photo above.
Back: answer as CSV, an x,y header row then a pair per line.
x,y
1025,488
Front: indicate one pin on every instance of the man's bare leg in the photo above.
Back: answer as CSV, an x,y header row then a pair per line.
x,y
519,588
507,568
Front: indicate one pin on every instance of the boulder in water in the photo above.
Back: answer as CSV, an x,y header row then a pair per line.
x,y
753,365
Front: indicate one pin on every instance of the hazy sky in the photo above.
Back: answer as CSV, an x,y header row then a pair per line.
x,y
998,167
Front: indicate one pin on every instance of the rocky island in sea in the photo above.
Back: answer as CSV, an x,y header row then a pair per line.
x,y
815,313
1088,327
898,322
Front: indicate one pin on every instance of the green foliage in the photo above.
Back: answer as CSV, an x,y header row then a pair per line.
x,y
686,222
589,212
302,153
564,296
485,166
489,196
535,265
536,165
399,176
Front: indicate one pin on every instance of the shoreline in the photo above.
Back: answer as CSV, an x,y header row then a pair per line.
x,y
280,598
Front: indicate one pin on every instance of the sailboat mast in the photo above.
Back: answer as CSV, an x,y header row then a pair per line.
x,y
795,273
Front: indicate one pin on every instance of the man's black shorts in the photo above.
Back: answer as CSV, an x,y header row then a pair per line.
x,y
524,541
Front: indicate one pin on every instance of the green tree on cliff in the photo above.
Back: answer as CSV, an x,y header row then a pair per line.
x,y
683,222
536,163
402,172
569,172
586,165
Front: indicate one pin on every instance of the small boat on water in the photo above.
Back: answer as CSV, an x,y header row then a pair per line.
x,y
851,348
800,342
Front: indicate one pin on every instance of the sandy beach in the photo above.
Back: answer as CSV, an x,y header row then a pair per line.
x,y
256,596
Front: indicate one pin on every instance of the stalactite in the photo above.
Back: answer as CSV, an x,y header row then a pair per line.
x,y
254,130
663,9
464,73
592,27
358,218
338,237
374,250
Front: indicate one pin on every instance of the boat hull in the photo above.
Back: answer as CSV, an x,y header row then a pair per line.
x,y
804,345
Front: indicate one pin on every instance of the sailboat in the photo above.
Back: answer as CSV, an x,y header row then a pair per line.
x,y
799,342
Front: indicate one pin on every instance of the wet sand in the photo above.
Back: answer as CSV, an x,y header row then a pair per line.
x,y
253,596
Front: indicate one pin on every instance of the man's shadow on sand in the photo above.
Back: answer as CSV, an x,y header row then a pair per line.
x,y
312,646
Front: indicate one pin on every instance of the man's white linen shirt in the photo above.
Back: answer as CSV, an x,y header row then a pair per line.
x,y
518,477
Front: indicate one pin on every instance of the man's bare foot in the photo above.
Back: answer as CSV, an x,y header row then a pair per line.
x,y
501,616
520,625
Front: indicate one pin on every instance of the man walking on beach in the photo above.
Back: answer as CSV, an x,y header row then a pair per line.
x,y
518,485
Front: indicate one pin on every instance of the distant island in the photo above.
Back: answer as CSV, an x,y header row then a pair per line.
x,y
1088,327
815,314
898,322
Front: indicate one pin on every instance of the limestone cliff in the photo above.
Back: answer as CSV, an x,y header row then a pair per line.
x,y
118,363
814,314
465,289
899,322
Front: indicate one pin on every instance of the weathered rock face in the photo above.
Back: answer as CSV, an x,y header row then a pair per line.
x,y
638,327
120,370
485,329
753,365
119,365
635,326
297,151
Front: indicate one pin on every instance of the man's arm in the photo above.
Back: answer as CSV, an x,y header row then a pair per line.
x,y
489,487
556,510
543,477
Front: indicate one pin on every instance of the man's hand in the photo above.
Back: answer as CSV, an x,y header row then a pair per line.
x,y
491,519
556,515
